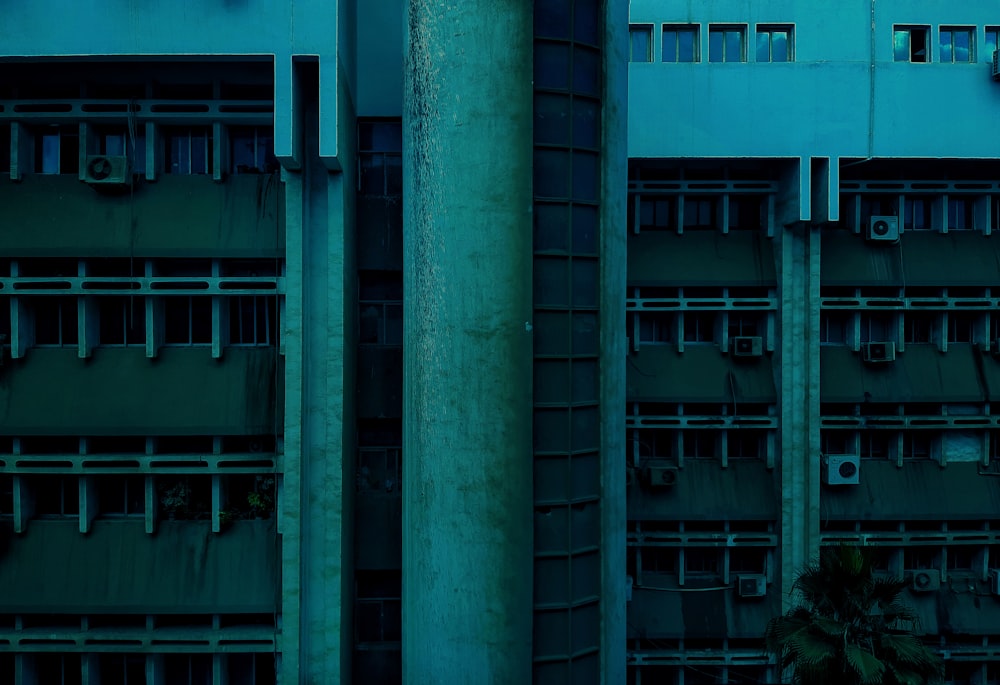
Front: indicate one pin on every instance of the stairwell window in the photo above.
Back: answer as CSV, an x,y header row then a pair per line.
x,y
910,44
774,43
680,43
640,43
727,44
956,44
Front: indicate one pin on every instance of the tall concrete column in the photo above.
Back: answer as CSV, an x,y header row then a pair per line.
x,y
467,491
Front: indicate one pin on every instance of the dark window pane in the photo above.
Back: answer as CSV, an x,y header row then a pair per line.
x,y
763,46
669,45
715,46
687,46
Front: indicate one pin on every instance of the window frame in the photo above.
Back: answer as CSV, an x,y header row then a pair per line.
x,y
188,134
991,41
725,29
694,30
909,30
951,30
636,29
768,31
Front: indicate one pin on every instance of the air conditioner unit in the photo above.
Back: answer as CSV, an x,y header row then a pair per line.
x,y
926,581
842,469
661,476
995,581
883,229
877,352
747,346
107,170
751,584
996,65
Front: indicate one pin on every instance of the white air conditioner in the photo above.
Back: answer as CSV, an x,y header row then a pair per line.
x,y
996,65
842,469
751,584
995,581
883,229
926,581
747,346
661,476
107,170
877,352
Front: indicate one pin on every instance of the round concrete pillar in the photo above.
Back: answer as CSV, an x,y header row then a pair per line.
x,y
467,462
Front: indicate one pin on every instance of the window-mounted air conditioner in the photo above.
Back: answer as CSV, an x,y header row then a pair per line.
x,y
751,584
107,170
996,65
842,469
661,476
926,581
883,229
747,346
877,352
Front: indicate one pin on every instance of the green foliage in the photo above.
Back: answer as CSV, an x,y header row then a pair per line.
x,y
851,627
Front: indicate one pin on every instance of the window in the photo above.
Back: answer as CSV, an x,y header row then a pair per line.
x,y
962,557
56,495
919,558
834,442
188,150
188,669
655,328
252,669
957,44
992,42
874,444
699,444
659,560
917,445
747,560
55,320
699,213
875,327
379,470
961,327
747,212
917,213
184,497
745,324
252,150
121,495
381,323
909,44
918,326
700,561
640,43
122,320
680,43
122,669
699,327
6,494
656,213
726,44
4,149
57,149
961,213
380,159
253,320
746,444
58,669
187,320
774,43
833,327
876,205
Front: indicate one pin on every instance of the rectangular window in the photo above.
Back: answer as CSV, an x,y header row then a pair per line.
x,y
920,558
957,44
917,444
699,327
187,320
56,495
655,328
188,150
55,320
640,43
875,444
992,42
700,213
833,327
188,669
121,495
659,560
380,159
381,323
747,560
379,470
4,149
57,149
116,141
656,214
917,213
680,43
834,442
699,444
727,44
252,150
747,212
122,669
253,320
774,43
875,327
918,326
961,327
909,44
700,561
122,320
58,669
961,213
745,324
746,444
6,494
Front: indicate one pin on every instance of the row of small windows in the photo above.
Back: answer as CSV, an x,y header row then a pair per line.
x,y
923,212
139,669
842,327
955,44
726,43
61,148
700,212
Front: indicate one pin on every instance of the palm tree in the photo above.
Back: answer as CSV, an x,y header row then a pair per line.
x,y
851,627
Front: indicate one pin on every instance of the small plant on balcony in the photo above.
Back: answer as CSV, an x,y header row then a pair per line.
x,y
176,499
261,498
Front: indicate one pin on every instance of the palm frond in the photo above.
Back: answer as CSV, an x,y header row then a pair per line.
x,y
869,668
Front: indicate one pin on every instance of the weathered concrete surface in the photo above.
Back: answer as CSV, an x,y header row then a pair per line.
x,y
467,547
